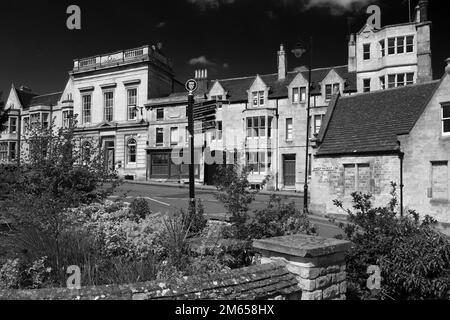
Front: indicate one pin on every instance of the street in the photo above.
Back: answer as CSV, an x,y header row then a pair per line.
x,y
170,199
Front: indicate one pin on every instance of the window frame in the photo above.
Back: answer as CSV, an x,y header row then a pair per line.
x,y
289,129
177,140
108,110
159,133
365,87
86,118
409,45
131,142
443,119
11,126
4,149
158,110
382,80
132,108
366,51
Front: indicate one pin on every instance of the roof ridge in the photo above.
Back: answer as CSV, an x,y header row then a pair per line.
x,y
48,94
390,89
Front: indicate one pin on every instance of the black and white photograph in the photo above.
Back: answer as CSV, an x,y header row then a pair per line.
x,y
234,158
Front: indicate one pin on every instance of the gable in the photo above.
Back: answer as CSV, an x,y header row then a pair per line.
x,y
258,85
216,89
68,90
299,80
13,100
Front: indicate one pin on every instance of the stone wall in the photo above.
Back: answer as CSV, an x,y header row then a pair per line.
x,y
292,268
318,264
329,181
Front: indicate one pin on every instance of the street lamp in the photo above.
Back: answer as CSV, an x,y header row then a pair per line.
x,y
298,52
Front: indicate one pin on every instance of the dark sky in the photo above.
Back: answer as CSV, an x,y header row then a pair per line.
x,y
237,37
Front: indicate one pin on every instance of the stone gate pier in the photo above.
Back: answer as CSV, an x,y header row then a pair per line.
x,y
317,263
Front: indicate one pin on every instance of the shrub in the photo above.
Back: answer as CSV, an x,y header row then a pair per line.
x,y
413,257
278,219
195,218
140,208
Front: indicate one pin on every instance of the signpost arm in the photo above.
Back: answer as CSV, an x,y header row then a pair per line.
x,y
191,147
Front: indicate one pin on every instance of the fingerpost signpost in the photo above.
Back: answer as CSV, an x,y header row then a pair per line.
x,y
191,87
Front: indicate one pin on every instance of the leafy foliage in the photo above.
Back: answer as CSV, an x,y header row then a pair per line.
x,y
278,219
140,208
414,258
54,176
3,113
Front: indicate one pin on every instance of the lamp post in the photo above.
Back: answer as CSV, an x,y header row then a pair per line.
x,y
298,51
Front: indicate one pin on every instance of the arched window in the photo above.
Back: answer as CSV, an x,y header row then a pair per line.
x,y
86,151
131,150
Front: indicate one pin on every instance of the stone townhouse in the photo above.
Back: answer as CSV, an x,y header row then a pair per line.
x,y
261,122
130,103
26,110
394,55
367,138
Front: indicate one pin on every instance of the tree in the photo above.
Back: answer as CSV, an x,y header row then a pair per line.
x,y
55,176
3,113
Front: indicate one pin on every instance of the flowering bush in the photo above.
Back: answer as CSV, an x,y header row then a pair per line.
x,y
16,274
118,233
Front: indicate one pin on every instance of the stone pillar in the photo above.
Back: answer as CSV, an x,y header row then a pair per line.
x,y
318,263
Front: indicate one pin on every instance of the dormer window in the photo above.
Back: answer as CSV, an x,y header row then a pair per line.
x,y
258,98
331,89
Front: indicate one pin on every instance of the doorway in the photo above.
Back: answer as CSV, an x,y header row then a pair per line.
x,y
289,170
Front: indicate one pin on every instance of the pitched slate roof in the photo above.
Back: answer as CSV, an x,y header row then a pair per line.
x,y
25,97
370,122
237,88
46,100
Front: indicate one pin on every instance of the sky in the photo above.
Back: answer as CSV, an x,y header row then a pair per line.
x,y
231,38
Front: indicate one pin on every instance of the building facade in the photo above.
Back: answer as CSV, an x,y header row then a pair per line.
x,y
401,127
393,56
129,103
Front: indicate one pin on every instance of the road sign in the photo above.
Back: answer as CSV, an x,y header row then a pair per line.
x,y
191,85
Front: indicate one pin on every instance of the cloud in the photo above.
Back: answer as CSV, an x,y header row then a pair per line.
x,y
202,60
160,25
337,7
210,4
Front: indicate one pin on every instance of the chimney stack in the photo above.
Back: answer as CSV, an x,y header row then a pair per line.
x,y
352,53
282,63
423,7
202,79
447,68
25,89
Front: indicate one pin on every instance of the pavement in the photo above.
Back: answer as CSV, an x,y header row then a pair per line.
x,y
172,197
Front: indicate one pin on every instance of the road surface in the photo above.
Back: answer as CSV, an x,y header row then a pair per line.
x,y
169,199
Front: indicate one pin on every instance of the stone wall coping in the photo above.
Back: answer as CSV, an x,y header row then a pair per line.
x,y
302,246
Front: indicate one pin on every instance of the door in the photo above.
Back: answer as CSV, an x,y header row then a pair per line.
x,y
289,170
109,147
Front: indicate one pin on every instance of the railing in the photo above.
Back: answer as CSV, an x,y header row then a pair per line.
x,y
114,58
